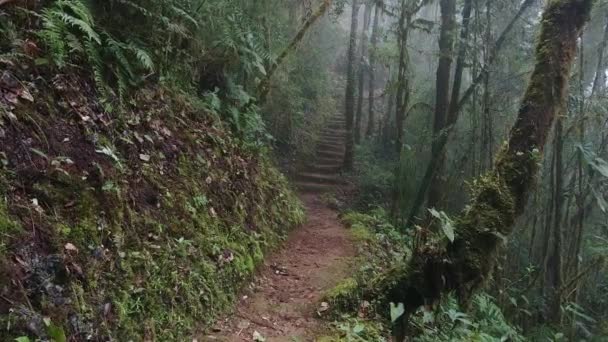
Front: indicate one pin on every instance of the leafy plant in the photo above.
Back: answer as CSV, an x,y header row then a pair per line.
x,y
69,31
484,322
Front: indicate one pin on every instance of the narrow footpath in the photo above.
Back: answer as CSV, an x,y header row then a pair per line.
x,y
283,300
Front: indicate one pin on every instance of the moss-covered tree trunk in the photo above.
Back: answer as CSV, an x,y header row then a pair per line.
x,y
500,196
350,88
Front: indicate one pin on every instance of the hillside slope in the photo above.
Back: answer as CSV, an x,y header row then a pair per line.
x,y
138,227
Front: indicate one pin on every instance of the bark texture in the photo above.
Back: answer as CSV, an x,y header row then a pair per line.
x,y
500,196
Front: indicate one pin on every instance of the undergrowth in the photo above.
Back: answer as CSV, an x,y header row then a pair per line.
x,y
360,309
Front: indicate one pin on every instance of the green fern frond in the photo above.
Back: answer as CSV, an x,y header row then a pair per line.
x,y
79,8
135,6
184,15
82,25
116,49
142,56
52,34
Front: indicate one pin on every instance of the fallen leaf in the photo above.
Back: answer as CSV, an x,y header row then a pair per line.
x,y
257,337
26,95
243,325
70,247
324,307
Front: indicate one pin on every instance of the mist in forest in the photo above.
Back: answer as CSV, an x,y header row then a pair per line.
x,y
321,170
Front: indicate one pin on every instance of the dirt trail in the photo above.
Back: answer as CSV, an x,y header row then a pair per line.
x,y
282,302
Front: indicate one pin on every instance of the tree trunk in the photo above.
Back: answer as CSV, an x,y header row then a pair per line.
x,y
372,75
402,96
426,181
387,128
403,91
553,264
599,82
445,108
362,70
500,196
350,88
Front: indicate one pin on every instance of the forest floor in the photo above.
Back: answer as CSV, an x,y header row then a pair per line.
x,y
282,302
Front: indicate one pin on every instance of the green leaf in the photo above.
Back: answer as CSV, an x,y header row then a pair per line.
x,y
597,163
56,333
435,213
22,339
396,311
358,328
447,225
601,201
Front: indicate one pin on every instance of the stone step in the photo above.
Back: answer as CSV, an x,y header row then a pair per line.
x,y
333,132
330,160
309,177
330,154
336,125
313,187
333,137
338,148
328,168
332,140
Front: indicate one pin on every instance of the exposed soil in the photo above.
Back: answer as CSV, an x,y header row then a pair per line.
x,y
283,301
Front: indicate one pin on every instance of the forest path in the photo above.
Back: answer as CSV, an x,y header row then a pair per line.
x,y
281,303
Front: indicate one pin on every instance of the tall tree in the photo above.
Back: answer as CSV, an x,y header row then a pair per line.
x,y
442,98
362,69
403,92
441,142
372,72
553,262
600,76
500,196
408,9
350,88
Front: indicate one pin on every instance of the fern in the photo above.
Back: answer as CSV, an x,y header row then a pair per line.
x,y
184,15
68,26
143,57
83,26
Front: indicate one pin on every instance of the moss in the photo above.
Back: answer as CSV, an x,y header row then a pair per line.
x,y
8,226
361,233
